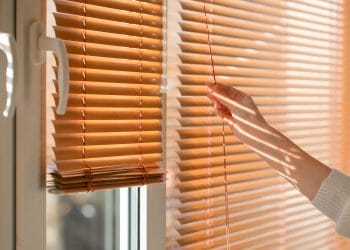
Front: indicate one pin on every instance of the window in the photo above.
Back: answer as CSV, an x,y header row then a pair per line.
x,y
291,56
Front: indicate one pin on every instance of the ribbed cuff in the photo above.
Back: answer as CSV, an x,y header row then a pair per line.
x,y
333,200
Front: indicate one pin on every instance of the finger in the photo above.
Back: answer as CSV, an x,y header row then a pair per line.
x,y
220,103
217,104
225,116
219,108
223,112
225,101
212,98
225,90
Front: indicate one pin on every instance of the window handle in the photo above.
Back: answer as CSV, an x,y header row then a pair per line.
x,y
39,44
8,73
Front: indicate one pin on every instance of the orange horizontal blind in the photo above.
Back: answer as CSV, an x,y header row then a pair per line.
x,y
110,135
288,55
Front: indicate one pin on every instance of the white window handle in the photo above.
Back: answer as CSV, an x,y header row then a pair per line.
x,y
39,44
8,73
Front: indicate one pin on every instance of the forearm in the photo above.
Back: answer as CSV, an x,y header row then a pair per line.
x,y
306,174
241,113
302,170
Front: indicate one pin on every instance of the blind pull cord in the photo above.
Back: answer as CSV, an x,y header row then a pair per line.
x,y
223,130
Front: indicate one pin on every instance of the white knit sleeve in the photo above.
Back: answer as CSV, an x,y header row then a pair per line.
x,y
333,200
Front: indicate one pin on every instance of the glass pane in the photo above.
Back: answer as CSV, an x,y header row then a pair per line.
x,y
79,221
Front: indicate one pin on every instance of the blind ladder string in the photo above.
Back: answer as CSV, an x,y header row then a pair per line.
x,y
223,130
209,209
87,168
141,163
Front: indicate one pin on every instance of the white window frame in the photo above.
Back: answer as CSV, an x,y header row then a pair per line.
x,y
30,196
30,192
7,147
153,228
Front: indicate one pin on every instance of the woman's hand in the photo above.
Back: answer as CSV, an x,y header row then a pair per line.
x,y
240,112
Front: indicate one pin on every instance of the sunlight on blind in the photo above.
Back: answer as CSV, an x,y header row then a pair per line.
x,y
288,55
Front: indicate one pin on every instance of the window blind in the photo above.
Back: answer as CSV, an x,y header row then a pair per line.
x,y
289,56
110,135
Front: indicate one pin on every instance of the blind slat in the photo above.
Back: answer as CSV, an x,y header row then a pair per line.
x,y
104,88
74,139
66,126
112,51
114,64
112,101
